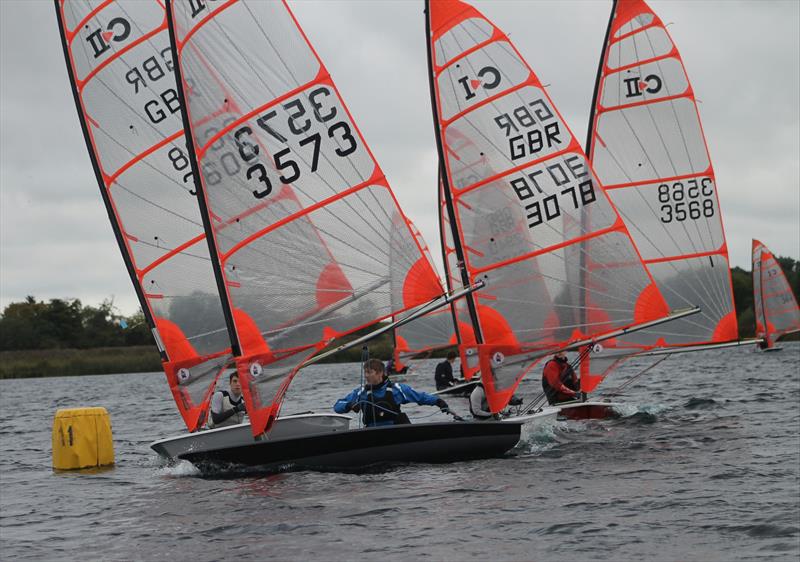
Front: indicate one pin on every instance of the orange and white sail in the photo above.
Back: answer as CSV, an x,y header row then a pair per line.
x,y
310,241
430,332
774,301
647,147
526,207
120,67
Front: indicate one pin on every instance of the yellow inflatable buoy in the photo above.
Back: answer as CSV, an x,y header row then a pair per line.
x,y
82,439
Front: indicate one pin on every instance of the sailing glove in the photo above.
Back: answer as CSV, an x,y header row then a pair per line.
x,y
442,405
239,407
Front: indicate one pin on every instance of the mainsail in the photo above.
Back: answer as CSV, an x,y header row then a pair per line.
x,y
774,302
120,66
309,241
526,207
647,148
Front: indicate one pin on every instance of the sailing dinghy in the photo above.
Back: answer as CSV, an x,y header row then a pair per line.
x,y
647,147
119,63
307,240
774,302
527,214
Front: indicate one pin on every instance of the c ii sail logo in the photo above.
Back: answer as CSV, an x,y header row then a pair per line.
x,y
118,29
651,84
488,79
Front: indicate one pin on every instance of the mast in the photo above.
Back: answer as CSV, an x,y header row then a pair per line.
x,y
451,213
200,190
598,79
443,241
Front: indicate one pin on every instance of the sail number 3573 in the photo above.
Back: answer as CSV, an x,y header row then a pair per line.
x,y
686,200
299,122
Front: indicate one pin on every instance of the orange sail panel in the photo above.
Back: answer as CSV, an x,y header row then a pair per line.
x,y
311,241
526,206
120,66
428,333
774,301
647,148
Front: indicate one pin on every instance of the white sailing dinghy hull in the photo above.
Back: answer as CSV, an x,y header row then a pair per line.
x,y
358,449
287,427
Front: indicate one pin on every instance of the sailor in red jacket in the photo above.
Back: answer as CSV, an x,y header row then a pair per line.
x,y
559,381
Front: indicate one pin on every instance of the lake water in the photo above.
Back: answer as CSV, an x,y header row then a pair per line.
x,y
705,466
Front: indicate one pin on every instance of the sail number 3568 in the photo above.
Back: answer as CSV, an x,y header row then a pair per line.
x,y
690,200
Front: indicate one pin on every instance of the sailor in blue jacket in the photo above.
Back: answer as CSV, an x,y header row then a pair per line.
x,y
380,399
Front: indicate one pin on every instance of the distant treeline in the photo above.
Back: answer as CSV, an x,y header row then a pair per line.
x,y
66,324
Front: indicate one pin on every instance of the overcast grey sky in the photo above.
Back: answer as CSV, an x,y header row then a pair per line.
x,y
743,59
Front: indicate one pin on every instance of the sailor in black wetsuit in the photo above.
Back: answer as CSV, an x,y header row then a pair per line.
x,y
227,408
444,372
380,399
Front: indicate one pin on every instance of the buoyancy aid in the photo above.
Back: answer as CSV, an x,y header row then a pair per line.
x,y
228,403
381,410
478,405
567,378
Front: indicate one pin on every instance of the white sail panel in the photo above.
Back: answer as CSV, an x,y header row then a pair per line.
x,y
462,37
649,43
311,241
665,218
638,21
650,142
120,64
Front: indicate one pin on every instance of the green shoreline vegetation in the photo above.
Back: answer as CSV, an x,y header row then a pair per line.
x,y
62,337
